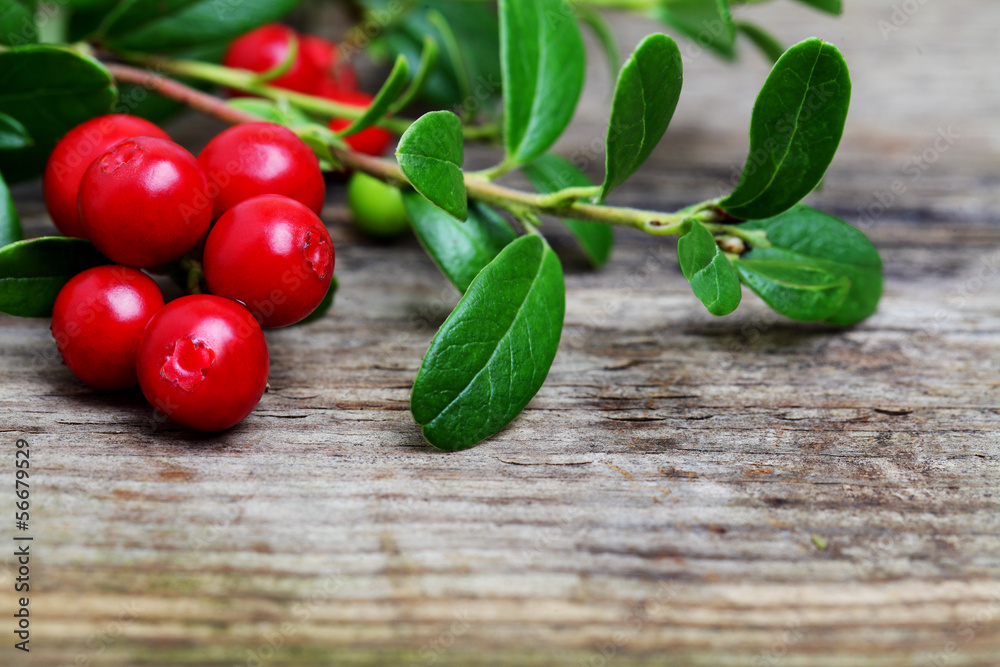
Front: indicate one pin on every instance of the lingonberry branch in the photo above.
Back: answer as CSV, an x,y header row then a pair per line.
x,y
523,205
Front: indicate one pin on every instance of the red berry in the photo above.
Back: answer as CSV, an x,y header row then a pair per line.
x,y
266,48
272,254
203,362
145,202
74,153
339,75
98,320
261,158
372,140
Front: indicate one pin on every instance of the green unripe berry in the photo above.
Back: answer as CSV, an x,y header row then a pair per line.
x,y
376,206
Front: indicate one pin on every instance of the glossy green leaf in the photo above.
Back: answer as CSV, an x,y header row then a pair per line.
x,y
798,291
49,90
387,95
543,61
430,154
168,25
460,249
797,124
10,223
713,279
13,134
767,43
17,23
324,305
707,22
828,6
808,236
493,352
646,95
550,173
32,272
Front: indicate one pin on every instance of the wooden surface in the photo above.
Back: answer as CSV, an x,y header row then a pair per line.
x,y
665,497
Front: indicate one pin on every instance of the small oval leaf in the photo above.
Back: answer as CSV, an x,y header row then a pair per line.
x,y
797,124
494,351
807,236
461,250
13,134
829,6
430,153
543,61
707,22
646,95
797,291
550,173
10,223
713,279
32,272
387,95
765,42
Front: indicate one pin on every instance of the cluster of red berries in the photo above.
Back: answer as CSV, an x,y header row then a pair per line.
x,y
248,205
317,69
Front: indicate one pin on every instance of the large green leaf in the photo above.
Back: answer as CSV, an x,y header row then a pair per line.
x,y
13,134
543,62
166,25
461,250
430,154
797,124
17,22
798,291
550,173
828,6
713,279
493,352
707,22
32,272
10,223
646,95
807,236
49,90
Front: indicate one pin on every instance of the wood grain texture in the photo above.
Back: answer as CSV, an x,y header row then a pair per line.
x,y
665,497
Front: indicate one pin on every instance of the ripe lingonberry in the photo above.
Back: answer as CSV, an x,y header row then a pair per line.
x,y
272,254
261,158
144,202
98,320
377,207
338,73
371,140
74,153
203,362
266,48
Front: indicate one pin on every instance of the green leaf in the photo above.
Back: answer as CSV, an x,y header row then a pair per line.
x,y
324,305
713,279
32,272
17,23
797,291
797,123
605,35
707,22
767,43
493,352
389,93
167,25
460,250
430,154
13,134
828,6
49,90
807,236
543,61
10,224
550,173
274,112
646,95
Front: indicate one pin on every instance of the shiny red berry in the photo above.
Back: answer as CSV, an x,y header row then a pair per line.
x,y
371,140
266,48
74,153
145,202
272,254
338,73
203,362
98,320
257,159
